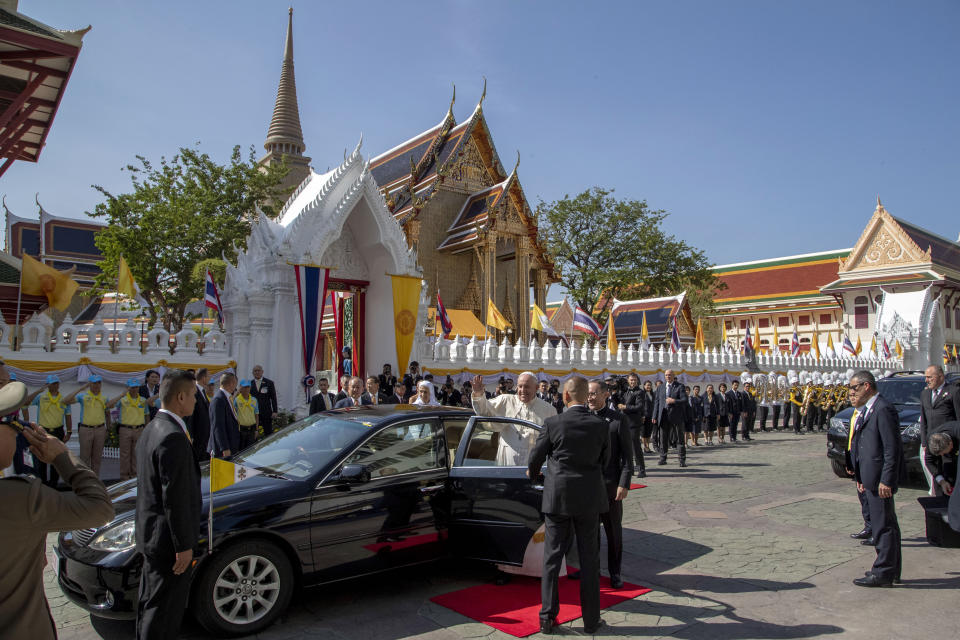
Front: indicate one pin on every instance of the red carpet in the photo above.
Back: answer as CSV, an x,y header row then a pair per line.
x,y
514,608
638,486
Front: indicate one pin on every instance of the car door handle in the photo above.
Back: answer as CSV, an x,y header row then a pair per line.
x,y
537,487
431,489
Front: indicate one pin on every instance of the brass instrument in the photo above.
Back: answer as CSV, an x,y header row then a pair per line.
x,y
795,395
809,395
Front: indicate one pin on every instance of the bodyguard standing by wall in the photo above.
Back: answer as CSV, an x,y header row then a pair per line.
x,y
575,445
265,392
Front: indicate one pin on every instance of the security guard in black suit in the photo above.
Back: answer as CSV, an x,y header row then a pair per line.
x,y
576,446
616,477
878,467
670,412
168,510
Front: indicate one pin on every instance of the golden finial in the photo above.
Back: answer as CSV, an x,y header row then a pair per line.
x,y
879,204
484,94
452,100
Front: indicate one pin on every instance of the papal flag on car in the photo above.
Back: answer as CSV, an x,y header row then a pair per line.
x,y
224,473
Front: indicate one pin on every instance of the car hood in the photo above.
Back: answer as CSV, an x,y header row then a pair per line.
x,y
909,414
124,494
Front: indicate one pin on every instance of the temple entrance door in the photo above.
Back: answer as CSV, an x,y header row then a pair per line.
x,y
357,291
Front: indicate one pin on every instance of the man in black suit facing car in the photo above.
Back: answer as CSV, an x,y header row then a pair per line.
x,y
616,477
168,510
939,404
575,445
670,412
878,466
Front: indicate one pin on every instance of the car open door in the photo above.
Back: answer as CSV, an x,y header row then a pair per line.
x,y
494,508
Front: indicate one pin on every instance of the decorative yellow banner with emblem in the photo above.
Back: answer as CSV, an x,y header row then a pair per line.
x,y
406,299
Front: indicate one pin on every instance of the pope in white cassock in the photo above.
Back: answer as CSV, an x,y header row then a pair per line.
x,y
515,443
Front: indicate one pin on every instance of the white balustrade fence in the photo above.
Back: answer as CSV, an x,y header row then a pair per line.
x,y
458,357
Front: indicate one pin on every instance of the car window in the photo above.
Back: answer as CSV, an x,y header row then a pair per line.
x,y
900,391
453,429
303,448
402,448
500,444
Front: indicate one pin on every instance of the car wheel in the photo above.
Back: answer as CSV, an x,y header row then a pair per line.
x,y
839,469
243,588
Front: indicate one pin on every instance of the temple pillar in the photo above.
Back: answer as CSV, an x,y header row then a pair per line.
x,y
523,281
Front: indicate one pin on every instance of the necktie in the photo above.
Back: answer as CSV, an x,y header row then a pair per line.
x,y
853,426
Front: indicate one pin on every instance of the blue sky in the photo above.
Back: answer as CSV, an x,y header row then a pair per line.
x,y
764,128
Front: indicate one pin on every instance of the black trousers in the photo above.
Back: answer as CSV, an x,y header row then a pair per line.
x,y
747,425
266,421
612,522
787,409
635,434
163,600
886,535
764,412
732,429
797,423
248,435
47,472
775,421
667,432
865,511
559,530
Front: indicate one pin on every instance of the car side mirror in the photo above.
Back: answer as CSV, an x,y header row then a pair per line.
x,y
355,473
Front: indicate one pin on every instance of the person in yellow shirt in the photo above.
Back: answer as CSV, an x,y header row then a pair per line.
x,y
94,420
52,414
247,410
134,411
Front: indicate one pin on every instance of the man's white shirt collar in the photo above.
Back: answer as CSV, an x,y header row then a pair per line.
x,y
176,419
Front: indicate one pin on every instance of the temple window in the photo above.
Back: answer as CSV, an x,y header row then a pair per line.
x,y
860,311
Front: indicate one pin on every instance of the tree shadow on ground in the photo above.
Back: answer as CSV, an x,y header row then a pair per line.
x,y
718,584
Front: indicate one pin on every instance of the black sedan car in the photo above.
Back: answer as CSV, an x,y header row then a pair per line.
x,y
338,494
901,390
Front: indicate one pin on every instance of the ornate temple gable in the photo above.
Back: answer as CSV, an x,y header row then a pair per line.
x,y
884,244
344,254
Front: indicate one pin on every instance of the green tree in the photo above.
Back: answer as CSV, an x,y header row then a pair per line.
x,y
186,211
605,248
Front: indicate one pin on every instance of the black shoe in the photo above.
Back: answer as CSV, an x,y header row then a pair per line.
x,y
616,581
573,575
896,580
593,628
683,463
641,474
871,580
547,627
869,542
748,438
864,534
661,462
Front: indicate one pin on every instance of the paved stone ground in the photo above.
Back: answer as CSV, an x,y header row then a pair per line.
x,y
749,541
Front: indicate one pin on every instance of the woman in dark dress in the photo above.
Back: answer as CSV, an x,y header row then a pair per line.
x,y
722,420
647,415
696,415
711,409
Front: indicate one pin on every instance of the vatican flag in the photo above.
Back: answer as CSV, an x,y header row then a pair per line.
x,y
644,334
698,342
495,319
611,336
224,473
775,343
406,299
873,346
38,279
540,322
831,350
125,282
815,344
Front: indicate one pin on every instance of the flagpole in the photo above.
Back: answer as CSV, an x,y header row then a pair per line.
x,y
16,335
210,519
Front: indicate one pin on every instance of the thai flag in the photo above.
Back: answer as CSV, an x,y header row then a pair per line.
x,y
211,297
443,318
848,346
886,349
795,344
583,321
674,337
747,341
311,292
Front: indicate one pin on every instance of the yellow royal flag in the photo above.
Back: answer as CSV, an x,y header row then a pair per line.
x,y
644,334
224,473
698,342
125,282
495,319
37,279
611,336
815,344
859,347
406,298
899,349
723,338
955,352
775,344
